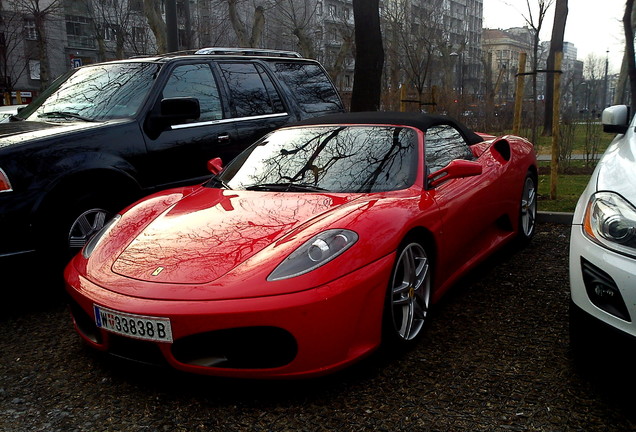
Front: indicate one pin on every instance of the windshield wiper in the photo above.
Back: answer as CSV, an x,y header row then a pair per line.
x,y
65,114
218,181
285,187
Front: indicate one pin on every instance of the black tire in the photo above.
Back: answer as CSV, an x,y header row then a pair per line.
x,y
72,219
408,295
528,209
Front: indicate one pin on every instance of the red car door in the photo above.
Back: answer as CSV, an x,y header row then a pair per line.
x,y
468,208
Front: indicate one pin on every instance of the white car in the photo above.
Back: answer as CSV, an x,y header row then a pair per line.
x,y
603,240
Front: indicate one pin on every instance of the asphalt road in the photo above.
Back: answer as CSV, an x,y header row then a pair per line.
x,y
494,357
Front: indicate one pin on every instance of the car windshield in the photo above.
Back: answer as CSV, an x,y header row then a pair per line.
x,y
95,93
327,159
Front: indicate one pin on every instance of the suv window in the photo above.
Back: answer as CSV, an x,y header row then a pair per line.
x,y
311,86
443,144
251,90
196,80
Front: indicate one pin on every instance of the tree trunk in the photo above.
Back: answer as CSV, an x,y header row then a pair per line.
x,y
556,45
40,28
257,27
237,24
305,42
156,24
369,56
621,87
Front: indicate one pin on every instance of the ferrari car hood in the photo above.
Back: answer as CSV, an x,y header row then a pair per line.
x,y
210,232
616,169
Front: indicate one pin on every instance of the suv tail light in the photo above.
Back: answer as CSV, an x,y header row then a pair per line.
x,y
5,184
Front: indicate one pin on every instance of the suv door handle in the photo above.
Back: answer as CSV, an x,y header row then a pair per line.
x,y
223,139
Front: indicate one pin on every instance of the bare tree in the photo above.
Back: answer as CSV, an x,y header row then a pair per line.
x,y
629,50
211,25
13,64
41,11
418,41
394,27
535,19
156,23
249,35
593,72
369,56
111,24
556,45
297,17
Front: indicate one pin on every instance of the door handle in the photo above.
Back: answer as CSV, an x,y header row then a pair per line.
x,y
223,139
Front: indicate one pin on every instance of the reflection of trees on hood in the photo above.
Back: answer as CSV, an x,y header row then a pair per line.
x,y
215,235
341,159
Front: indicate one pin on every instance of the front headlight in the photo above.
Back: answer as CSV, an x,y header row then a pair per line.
x,y
610,220
90,246
314,253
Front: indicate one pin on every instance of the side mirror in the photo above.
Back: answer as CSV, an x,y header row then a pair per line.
x,y
172,111
177,110
215,166
458,168
615,119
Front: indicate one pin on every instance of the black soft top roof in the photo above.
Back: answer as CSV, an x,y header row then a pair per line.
x,y
416,120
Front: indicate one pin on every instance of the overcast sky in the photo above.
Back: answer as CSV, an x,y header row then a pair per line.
x,y
593,26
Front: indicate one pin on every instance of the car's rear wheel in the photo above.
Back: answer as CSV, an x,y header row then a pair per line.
x,y
528,208
408,295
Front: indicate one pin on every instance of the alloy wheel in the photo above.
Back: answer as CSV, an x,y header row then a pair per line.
x,y
410,291
85,226
528,207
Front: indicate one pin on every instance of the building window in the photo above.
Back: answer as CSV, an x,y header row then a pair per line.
x,y
29,30
333,12
333,34
110,32
78,32
139,34
137,5
34,69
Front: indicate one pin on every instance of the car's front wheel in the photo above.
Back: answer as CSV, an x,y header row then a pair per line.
x,y
528,208
71,219
85,226
408,295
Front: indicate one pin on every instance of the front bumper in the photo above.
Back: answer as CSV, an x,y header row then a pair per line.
x,y
315,331
603,283
16,236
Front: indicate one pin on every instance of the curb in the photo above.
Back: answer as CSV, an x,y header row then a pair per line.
x,y
555,217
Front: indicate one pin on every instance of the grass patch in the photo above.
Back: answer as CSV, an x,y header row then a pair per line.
x,y
569,188
575,174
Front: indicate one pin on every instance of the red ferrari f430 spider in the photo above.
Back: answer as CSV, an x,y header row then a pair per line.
x,y
316,245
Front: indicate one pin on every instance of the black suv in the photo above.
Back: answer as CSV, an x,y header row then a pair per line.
x,y
106,134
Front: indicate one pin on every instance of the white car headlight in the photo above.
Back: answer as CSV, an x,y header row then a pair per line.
x,y
610,220
314,253
90,246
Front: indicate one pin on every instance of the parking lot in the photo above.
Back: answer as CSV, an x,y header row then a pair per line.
x,y
494,358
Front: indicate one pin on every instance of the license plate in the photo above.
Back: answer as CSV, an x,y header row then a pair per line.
x,y
134,326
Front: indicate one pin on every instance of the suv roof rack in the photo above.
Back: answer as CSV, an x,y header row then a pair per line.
x,y
248,52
